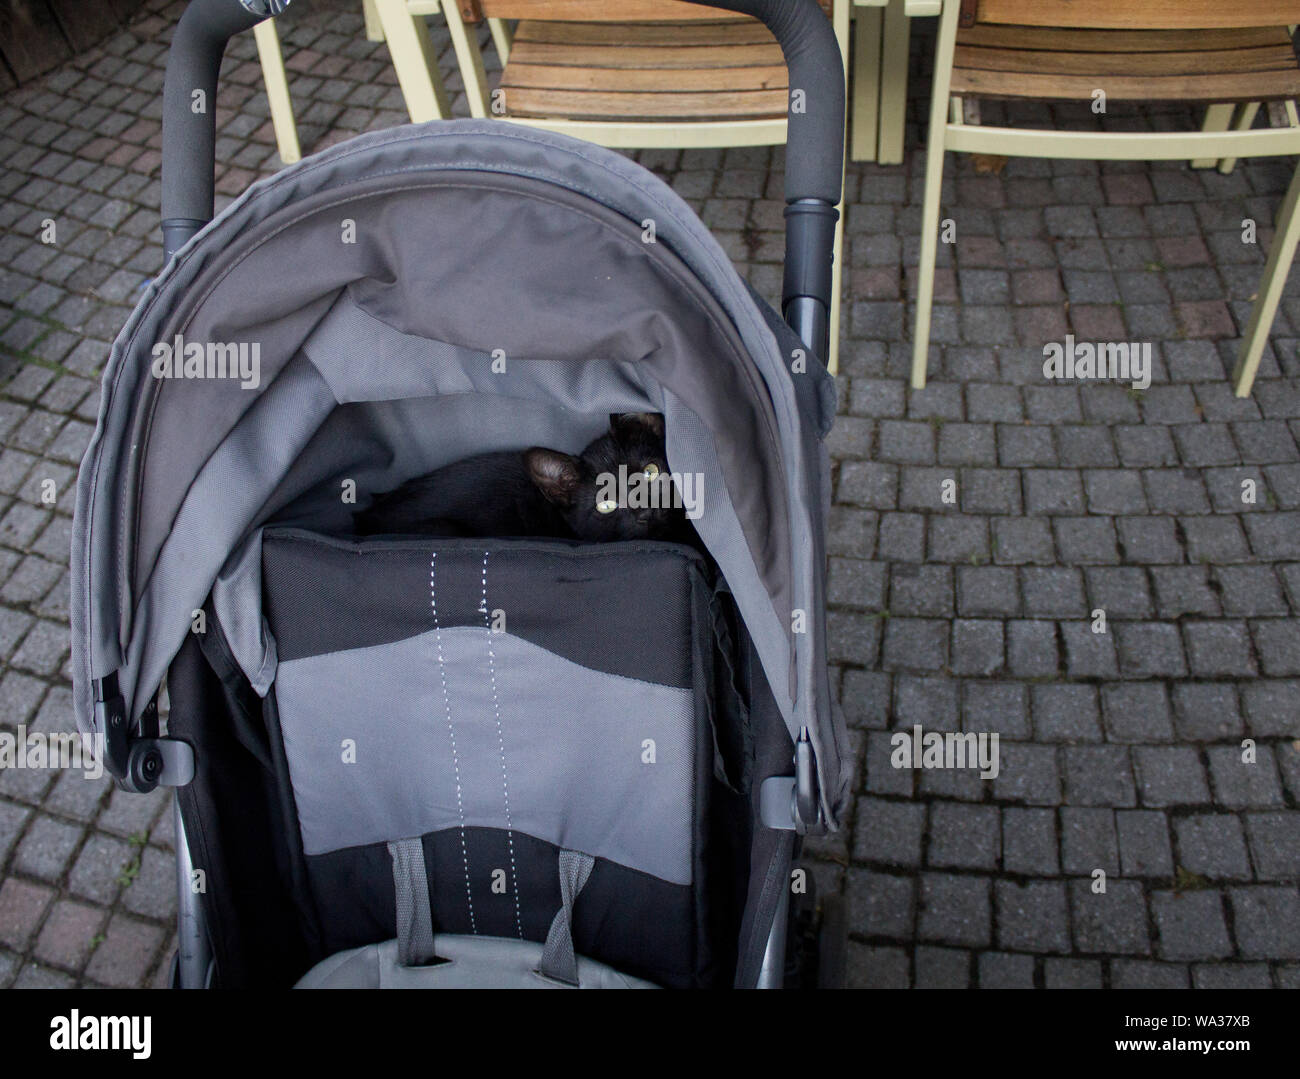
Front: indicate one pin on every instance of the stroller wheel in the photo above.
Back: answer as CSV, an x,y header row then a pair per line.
x,y
801,953
832,942
174,978
817,941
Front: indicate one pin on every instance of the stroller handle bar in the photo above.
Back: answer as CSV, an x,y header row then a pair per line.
x,y
814,145
814,159
189,132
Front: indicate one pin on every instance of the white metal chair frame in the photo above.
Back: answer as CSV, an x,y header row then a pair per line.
x,y
1220,139
428,96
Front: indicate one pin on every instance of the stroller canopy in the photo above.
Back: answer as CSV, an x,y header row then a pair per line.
x,y
415,296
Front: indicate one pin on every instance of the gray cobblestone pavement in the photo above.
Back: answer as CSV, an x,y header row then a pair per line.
x,y
1121,752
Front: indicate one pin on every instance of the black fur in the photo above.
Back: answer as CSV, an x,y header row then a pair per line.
x,y
533,492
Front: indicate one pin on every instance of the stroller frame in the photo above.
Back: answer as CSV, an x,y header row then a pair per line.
x,y
135,753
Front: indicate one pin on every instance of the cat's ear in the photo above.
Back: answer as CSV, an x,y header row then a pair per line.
x,y
555,474
620,422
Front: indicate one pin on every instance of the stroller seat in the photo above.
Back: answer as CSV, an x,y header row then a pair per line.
x,y
533,743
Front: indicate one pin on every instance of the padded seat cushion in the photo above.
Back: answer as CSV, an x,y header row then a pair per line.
x,y
469,963
501,701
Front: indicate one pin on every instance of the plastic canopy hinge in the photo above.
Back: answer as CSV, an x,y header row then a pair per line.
x,y
808,816
134,755
793,803
111,725
776,803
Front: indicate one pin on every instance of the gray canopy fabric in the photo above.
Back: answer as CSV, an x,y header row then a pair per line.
x,y
420,294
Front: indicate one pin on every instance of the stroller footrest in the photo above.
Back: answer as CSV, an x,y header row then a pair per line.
x,y
464,962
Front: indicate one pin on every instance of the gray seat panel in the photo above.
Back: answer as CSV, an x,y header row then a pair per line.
x,y
427,716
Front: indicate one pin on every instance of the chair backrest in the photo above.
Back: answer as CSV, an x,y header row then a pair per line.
x,y
604,11
1133,14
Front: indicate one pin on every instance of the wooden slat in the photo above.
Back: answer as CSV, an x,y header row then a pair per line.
x,y
1033,37
624,72
572,105
1253,86
604,10
715,80
642,56
1141,14
747,32
1217,62
1168,65
613,10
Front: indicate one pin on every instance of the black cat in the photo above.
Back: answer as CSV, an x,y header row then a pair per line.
x,y
539,492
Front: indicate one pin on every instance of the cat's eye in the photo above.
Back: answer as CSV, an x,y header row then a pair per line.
x,y
606,505
651,471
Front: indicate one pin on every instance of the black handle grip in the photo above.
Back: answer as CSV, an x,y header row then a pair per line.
x,y
189,110
814,159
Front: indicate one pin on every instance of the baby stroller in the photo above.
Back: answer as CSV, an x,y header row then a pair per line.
x,y
418,761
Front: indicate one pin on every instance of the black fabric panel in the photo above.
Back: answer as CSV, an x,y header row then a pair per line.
x,y
353,890
613,607
642,926
815,391
722,769
529,865
230,811
284,823
772,852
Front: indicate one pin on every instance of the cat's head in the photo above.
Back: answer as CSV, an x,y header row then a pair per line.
x,y
587,491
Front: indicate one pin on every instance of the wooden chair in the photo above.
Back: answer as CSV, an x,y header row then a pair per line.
x,y
1203,51
271,58
632,74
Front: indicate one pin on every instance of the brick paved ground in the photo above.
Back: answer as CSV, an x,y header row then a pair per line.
x,y
1121,751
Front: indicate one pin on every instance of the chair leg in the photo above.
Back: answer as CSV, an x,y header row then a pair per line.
x,y
1285,237
414,61
503,37
464,40
837,287
939,107
893,83
929,248
277,91
843,37
1217,118
865,118
1245,118
374,29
